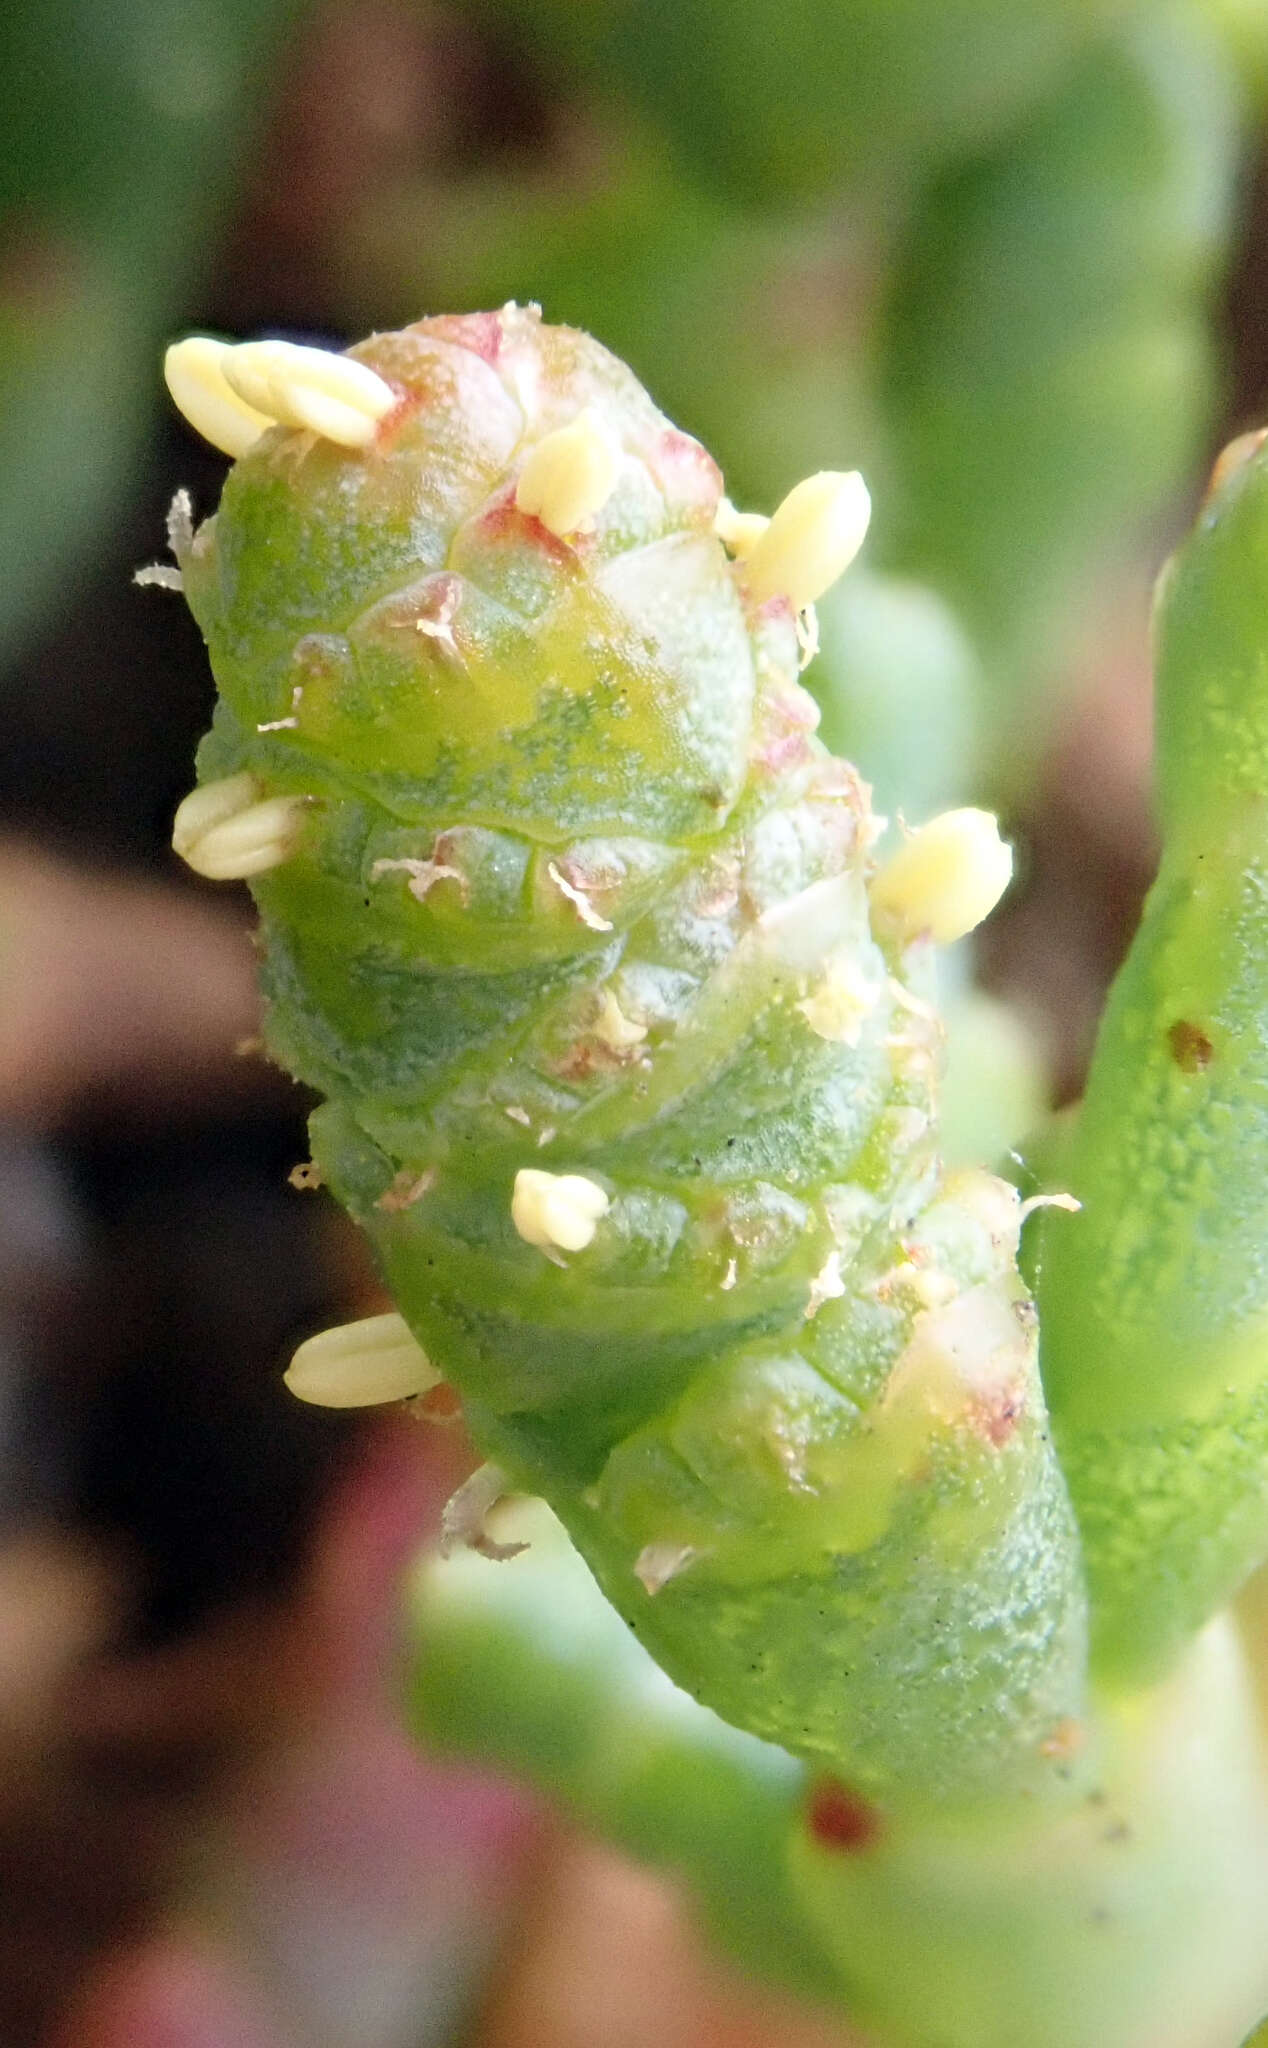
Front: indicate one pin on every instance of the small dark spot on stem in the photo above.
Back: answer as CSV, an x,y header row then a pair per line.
x,y
1191,1049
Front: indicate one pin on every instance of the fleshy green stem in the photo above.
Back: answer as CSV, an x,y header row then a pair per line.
x,y
1132,1920
1155,1300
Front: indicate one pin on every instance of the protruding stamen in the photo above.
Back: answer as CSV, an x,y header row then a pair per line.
x,y
613,1028
315,388
233,393
812,539
194,370
557,1211
570,474
947,877
360,1365
226,831
739,532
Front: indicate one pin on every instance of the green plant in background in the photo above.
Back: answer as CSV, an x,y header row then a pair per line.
x,y
121,130
971,248
626,1021
629,1039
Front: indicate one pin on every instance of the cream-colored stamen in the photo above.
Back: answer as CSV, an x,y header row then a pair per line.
x,y
947,877
232,393
557,1211
360,1365
194,372
739,532
315,388
811,540
227,832
615,1030
570,474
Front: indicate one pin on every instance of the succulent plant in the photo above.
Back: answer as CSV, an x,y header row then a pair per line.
x,y
629,1039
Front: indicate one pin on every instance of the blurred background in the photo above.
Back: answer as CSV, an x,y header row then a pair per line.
x,y
1010,260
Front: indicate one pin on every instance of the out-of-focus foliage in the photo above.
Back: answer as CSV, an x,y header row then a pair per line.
x,y
1049,364
823,242
123,129
781,98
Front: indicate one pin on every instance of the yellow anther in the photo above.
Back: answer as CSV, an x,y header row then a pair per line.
x,y
570,474
194,371
739,532
947,877
314,388
813,537
226,831
360,1365
557,1211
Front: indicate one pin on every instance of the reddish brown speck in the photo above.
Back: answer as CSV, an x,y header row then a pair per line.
x,y
1191,1049
442,1404
996,1420
840,1819
1065,1741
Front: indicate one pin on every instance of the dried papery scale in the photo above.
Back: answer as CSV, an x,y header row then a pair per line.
x,y
573,932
